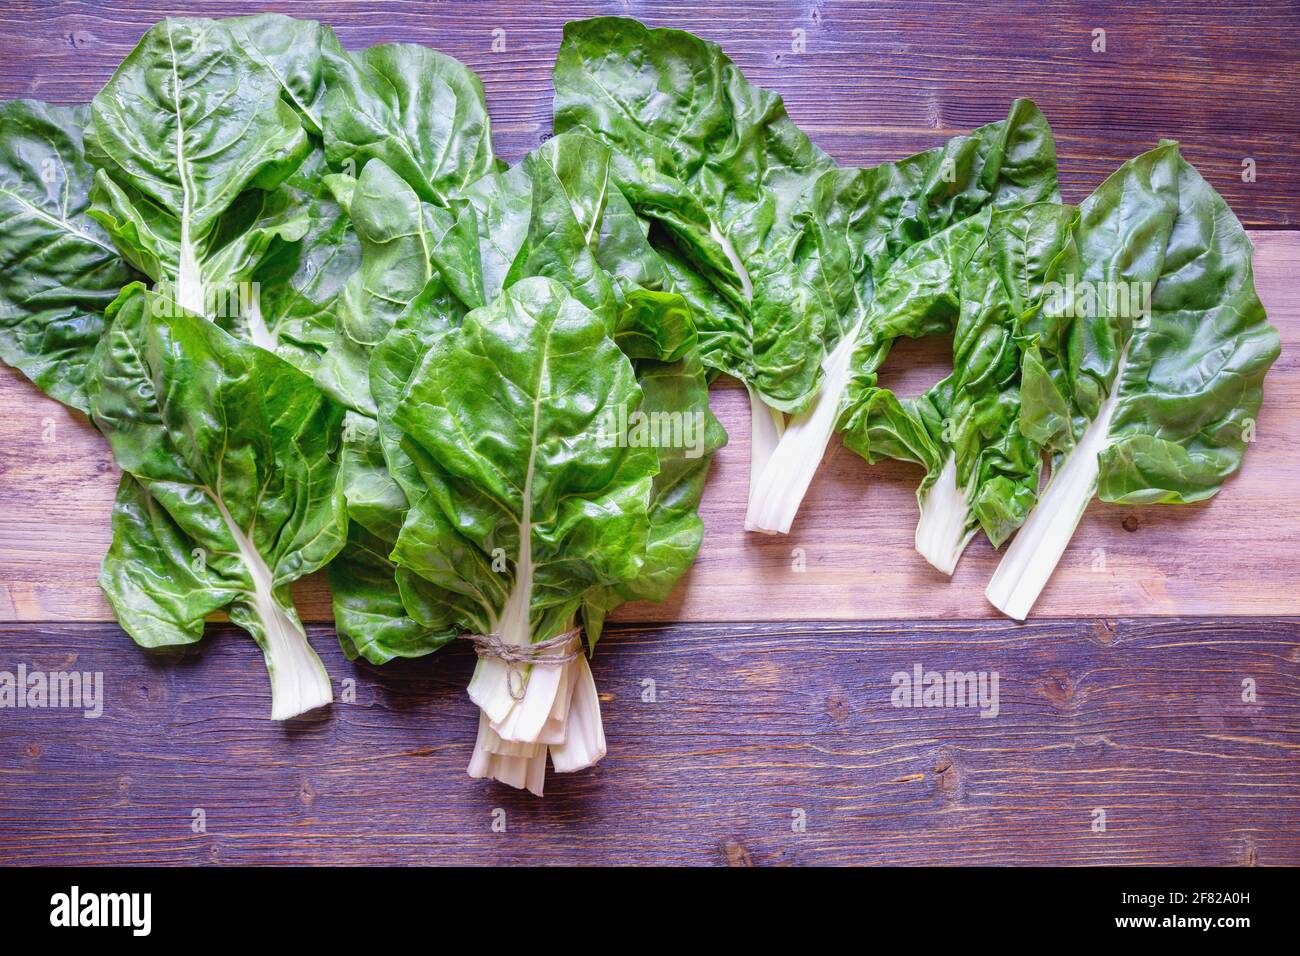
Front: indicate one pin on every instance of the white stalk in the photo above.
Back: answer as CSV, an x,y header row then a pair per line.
x,y
1037,548
189,281
553,731
299,682
766,425
584,739
515,771
775,500
945,527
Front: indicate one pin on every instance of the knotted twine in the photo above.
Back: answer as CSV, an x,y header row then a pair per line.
x,y
548,653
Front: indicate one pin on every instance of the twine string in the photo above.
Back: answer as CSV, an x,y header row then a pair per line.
x,y
552,652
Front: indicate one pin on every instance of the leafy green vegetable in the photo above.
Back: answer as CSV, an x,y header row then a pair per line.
x,y
410,126
419,111
405,246
736,192
65,273
879,213
479,394
294,52
534,505
190,135
58,269
410,129
974,280
556,215
230,492
299,283
399,235
1144,367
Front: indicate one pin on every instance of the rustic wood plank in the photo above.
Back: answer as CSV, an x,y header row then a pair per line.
x,y
1142,719
1228,556
875,81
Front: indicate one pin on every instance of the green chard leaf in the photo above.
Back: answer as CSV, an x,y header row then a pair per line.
x,y
397,234
876,215
415,125
405,247
736,196
189,136
974,280
533,371
230,487
294,52
580,231
299,283
58,269
419,111
1144,366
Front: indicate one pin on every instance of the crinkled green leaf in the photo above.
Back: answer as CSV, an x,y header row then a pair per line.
x,y
975,279
399,235
293,50
419,111
1144,366
238,448
954,240
299,282
187,133
1192,377
58,269
509,406
555,214
719,166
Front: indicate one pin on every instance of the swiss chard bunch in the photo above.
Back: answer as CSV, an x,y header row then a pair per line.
x,y
228,451
543,409
230,486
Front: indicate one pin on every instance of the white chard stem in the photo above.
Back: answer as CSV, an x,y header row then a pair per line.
x,y
945,527
571,732
766,425
190,294
775,499
299,682
1037,547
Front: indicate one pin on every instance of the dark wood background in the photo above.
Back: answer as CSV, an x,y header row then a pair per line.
x,y
1140,717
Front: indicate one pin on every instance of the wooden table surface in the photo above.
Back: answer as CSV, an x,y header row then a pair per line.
x,y
772,737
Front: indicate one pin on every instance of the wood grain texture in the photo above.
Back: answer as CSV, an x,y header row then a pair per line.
x,y
876,81
853,537
1141,719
